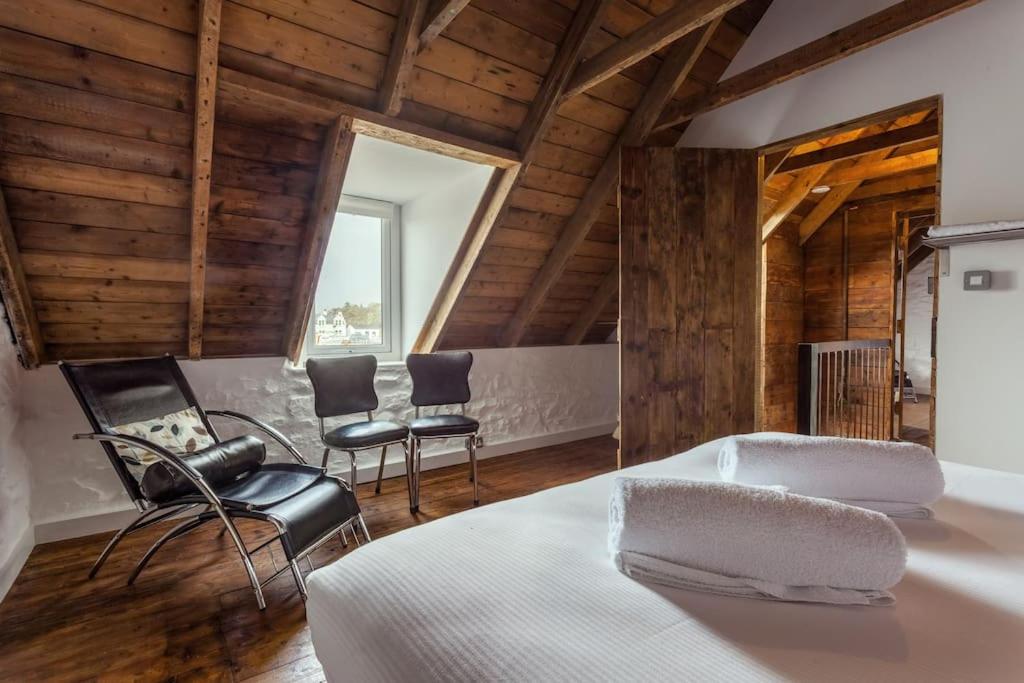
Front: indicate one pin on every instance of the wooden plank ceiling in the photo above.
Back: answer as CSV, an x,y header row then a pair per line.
x,y
133,231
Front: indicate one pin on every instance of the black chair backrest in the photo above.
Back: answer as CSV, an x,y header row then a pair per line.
x,y
122,392
342,386
439,378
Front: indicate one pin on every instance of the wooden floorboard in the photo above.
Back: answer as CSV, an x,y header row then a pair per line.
x,y
191,615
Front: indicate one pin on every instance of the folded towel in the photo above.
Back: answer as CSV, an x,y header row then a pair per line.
x,y
753,542
897,478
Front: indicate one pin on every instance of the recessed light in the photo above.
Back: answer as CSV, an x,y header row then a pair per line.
x,y
820,189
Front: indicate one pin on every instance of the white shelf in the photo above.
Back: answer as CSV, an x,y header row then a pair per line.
x,y
948,235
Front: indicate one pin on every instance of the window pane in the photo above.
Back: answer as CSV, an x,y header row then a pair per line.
x,y
347,306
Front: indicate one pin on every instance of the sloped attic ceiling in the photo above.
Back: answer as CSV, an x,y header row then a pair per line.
x,y
151,211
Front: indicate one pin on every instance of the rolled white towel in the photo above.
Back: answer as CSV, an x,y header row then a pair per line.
x,y
898,478
753,542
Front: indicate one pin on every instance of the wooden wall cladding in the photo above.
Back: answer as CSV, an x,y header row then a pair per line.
x,y
689,307
97,101
783,326
864,309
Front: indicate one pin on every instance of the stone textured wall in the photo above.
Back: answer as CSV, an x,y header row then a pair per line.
x,y
517,394
15,490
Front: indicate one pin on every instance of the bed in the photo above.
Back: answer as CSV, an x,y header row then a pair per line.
x,y
523,590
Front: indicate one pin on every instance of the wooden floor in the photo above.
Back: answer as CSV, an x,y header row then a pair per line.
x,y
191,614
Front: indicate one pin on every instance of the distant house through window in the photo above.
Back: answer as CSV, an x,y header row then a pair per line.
x,y
357,306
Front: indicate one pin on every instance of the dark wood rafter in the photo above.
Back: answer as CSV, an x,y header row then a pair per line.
x,y
928,130
494,204
16,297
439,14
207,42
672,72
404,47
872,30
659,32
586,319
333,166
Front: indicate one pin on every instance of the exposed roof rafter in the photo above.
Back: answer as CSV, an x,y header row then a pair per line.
x,y
887,141
659,32
404,47
16,296
438,16
868,32
207,42
672,72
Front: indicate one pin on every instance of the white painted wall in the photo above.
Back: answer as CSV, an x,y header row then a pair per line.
x,y
918,350
975,60
523,397
16,537
432,228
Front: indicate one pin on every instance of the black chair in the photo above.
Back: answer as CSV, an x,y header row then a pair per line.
x,y
224,481
441,379
344,386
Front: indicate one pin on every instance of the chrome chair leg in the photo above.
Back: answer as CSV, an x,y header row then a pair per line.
x,y
469,445
117,539
254,580
180,530
299,581
362,526
327,453
473,474
408,471
417,457
353,473
344,538
380,469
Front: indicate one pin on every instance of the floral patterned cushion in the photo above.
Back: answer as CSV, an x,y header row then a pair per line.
x,y
181,433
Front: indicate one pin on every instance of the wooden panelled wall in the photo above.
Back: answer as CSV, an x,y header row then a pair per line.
x,y
783,268
864,310
691,245
96,130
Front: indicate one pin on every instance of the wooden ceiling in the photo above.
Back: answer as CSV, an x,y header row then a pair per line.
x,y
169,169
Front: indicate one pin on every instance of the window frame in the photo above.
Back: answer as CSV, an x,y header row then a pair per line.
x,y
391,283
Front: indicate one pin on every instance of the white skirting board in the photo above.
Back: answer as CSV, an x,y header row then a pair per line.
x,y
12,567
74,527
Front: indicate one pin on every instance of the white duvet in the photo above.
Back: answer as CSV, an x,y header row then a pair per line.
x,y
524,590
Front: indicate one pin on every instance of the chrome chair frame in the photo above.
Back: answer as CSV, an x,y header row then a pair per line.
x,y
353,472
414,495
214,509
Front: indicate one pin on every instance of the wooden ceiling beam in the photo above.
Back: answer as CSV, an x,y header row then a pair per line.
x,y
16,296
438,16
877,169
927,130
598,302
404,46
673,71
207,43
659,32
494,203
872,30
307,105
333,167
924,179
839,195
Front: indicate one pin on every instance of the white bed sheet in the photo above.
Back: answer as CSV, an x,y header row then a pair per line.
x,y
524,590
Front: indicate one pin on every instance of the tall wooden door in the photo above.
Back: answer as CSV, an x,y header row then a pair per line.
x,y
690,286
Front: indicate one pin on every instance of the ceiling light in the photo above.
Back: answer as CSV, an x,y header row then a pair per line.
x,y
820,189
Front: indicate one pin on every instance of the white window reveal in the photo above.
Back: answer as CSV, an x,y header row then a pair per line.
x,y
357,304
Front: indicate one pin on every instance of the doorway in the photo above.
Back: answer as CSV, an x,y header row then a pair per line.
x,y
843,213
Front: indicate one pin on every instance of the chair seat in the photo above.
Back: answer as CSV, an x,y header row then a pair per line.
x,y
270,485
444,425
366,434
310,515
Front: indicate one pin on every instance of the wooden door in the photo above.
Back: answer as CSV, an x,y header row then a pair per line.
x,y
689,270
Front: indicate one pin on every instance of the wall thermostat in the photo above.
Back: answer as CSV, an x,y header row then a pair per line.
x,y
975,280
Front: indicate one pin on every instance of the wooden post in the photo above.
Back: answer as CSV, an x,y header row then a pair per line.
x,y
17,299
207,43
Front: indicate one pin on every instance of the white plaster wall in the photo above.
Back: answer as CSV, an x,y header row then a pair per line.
x,y
975,60
518,394
918,350
432,228
16,537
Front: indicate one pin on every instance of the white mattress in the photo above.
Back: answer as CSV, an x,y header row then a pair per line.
x,y
524,590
